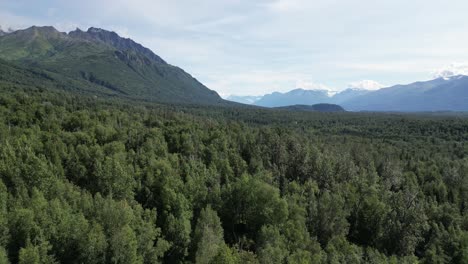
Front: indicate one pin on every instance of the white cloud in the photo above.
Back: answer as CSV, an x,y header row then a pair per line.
x,y
8,20
284,5
366,85
388,66
257,47
309,85
451,70
257,83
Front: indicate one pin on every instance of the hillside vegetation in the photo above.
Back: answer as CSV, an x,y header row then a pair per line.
x,y
315,107
100,58
91,178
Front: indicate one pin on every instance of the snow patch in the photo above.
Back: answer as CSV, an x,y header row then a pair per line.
x,y
365,85
308,85
454,70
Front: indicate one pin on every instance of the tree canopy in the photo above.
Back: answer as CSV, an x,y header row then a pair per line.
x,y
93,180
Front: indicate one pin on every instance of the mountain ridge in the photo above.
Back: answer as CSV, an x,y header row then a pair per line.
x,y
300,96
105,59
440,94
113,39
293,97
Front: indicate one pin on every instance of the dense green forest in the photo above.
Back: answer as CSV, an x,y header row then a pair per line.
x,y
85,179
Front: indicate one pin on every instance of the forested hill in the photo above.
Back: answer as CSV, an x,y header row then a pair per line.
x,y
315,107
86,178
102,60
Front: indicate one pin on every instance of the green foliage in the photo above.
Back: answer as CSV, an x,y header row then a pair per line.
x,y
3,256
90,64
29,255
90,180
123,246
272,246
208,236
250,204
226,256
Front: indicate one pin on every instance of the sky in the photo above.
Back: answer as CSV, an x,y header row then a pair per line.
x,y
254,47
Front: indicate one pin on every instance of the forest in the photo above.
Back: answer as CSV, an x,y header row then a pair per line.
x,y
86,179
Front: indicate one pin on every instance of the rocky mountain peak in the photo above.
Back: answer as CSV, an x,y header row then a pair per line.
x,y
113,39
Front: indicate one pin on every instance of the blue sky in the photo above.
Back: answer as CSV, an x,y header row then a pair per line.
x,y
247,47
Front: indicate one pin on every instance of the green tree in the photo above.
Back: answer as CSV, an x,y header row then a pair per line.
x,y
208,236
29,255
248,205
3,256
123,246
4,236
94,246
272,246
226,256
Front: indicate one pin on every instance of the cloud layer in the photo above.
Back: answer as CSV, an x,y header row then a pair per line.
x,y
256,47
453,69
366,85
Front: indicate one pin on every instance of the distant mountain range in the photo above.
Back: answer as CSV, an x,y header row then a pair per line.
x,y
294,97
244,99
300,97
101,61
441,94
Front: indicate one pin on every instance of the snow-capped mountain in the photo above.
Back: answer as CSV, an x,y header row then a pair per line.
x,y
301,96
449,93
452,70
348,94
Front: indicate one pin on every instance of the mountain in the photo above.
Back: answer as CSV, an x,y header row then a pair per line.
x,y
114,40
348,94
448,93
100,58
442,94
302,97
313,108
244,99
14,76
3,33
294,97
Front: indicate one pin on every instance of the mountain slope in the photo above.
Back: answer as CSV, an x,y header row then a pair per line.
x,y
301,97
348,94
294,97
14,76
435,95
114,40
244,99
102,58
